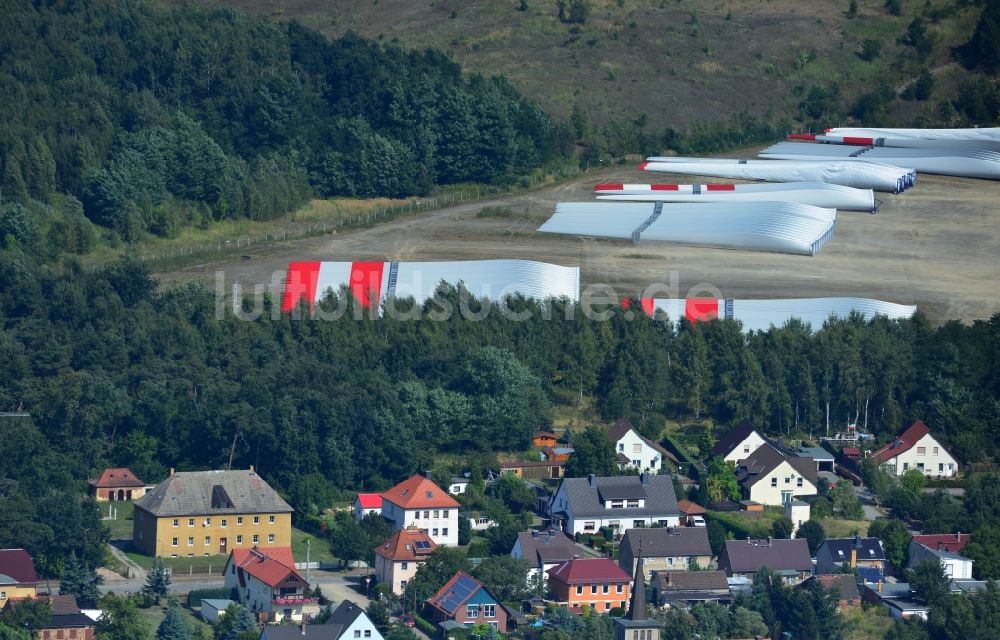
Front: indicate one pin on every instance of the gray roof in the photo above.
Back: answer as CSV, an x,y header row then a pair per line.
x,y
728,442
346,613
816,453
195,493
582,494
668,542
766,458
691,580
294,632
747,556
868,548
546,547
846,582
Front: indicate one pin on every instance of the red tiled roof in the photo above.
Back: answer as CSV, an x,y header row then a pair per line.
x,y
525,464
690,508
953,542
402,545
272,567
370,500
903,442
118,477
588,571
17,565
419,493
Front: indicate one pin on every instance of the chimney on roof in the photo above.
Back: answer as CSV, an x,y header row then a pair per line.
x,y
958,537
251,469
171,471
854,557
427,474
592,479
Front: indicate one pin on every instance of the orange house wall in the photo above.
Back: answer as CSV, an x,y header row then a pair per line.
x,y
567,593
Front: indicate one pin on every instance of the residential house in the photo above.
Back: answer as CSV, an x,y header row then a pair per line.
x,y
688,510
786,558
418,502
116,485
897,598
543,439
464,601
916,448
955,565
354,622
636,624
824,459
67,621
557,454
327,631
543,550
397,559
865,555
665,549
636,450
458,485
584,505
367,503
534,469
685,588
17,575
844,583
478,520
738,443
267,583
210,512
770,477
598,583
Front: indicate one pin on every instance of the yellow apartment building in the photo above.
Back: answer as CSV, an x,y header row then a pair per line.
x,y
202,513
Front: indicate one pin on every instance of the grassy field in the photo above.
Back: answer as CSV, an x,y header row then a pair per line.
x,y
121,525
154,616
319,548
657,63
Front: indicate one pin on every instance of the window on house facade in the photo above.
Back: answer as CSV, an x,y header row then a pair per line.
x,y
746,448
434,532
632,504
935,450
617,504
774,482
256,519
191,541
270,538
798,482
941,468
921,451
637,463
173,542
589,526
437,514
176,522
357,633
224,523
270,519
256,538
368,633
618,588
472,611
788,480
621,446
637,448
208,522
444,531
404,565
190,522
579,590
489,611
605,588
208,540
427,514
239,520
593,588
239,539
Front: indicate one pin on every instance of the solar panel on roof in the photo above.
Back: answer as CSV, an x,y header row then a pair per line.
x,y
422,544
463,588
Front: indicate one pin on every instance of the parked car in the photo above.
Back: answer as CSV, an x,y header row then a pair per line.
x,y
408,620
697,521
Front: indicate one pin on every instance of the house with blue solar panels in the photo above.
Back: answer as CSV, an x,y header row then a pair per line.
x,y
464,602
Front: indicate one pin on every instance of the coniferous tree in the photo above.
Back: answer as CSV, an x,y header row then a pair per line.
x,y
80,581
173,626
157,583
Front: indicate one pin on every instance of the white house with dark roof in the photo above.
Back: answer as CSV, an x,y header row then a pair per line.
x,y
584,505
916,448
955,565
632,449
787,558
354,622
544,550
865,555
739,443
770,477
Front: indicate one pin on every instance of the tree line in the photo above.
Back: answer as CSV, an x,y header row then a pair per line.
x,y
144,119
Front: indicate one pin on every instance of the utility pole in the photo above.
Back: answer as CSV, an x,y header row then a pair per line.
x,y
308,549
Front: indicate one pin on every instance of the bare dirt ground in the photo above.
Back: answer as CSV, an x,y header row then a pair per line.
x,y
936,246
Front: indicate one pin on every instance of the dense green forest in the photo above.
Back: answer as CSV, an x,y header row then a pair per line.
x,y
114,371
144,120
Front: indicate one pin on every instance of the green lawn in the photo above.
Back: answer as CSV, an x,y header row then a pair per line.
x,y
121,525
319,551
154,616
839,528
182,565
